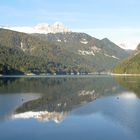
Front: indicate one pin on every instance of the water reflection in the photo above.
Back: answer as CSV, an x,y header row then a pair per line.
x,y
130,83
55,97
42,116
85,108
128,96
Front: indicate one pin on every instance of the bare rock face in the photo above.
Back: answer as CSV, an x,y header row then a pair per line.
x,y
42,28
51,28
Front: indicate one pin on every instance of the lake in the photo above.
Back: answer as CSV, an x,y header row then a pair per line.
x,y
70,108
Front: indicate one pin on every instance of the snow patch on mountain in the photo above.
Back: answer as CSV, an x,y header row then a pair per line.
x,y
84,41
95,49
83,52
92,51
58,40
111,56
115,57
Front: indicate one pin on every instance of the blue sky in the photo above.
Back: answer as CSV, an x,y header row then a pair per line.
x,y
119,20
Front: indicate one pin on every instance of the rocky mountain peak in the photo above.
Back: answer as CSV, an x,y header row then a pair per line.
x,y
41,28
51,28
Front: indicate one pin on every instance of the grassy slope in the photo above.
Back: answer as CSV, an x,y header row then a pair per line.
x,y
130,65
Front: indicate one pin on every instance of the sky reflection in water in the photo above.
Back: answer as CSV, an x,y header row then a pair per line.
x,y
70,108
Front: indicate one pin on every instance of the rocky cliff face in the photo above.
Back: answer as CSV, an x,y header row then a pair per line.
x,y
42,28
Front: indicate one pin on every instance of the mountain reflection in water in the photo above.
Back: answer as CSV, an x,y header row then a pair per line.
x,y
95,107
56,97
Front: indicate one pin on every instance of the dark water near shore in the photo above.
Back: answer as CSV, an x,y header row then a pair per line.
x,y
70,108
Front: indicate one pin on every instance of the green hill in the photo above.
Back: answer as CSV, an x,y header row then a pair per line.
x,y
82,49
130,65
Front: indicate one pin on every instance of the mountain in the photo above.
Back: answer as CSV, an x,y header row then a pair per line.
x,y
130,65
18,52
43,28
52,98
100,55
138,47
128,45
60,53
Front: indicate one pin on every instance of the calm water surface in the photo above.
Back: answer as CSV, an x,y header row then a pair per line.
x,y
70,108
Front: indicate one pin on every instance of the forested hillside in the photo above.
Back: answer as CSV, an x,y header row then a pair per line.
x,y
60,53
130,65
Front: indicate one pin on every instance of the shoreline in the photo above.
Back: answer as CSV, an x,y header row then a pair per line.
x,y
37,76
115,74
77,75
